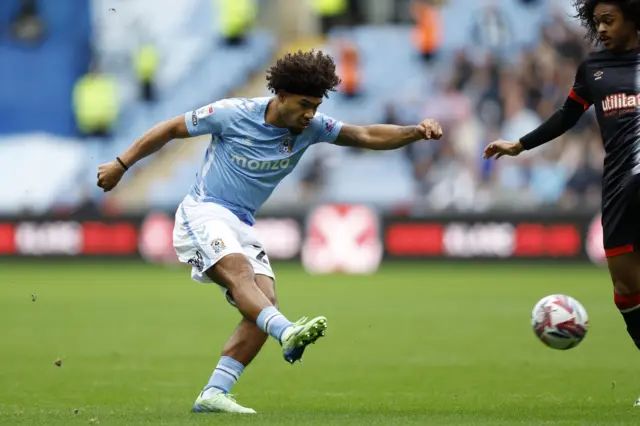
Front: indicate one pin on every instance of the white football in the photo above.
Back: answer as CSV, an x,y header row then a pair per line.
x,y
559,321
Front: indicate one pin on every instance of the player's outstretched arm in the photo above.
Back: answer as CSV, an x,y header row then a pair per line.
x,y
387,136
578,101
559,123
109,174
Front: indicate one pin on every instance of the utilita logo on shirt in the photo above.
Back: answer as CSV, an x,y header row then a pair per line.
x,y
620,103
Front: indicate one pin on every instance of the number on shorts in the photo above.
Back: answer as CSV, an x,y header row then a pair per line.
x,y
261,257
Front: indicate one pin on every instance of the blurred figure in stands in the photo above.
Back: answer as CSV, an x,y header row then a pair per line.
x,y
27,25
427,34
330,12
95,103
146,65
237,18
462,70
585,164
491,29
349,69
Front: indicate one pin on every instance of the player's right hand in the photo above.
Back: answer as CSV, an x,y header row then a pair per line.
x,y
109,174
430,129
500,148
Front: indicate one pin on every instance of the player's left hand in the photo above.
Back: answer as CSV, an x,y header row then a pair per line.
x,y
109,174
499,148
430,129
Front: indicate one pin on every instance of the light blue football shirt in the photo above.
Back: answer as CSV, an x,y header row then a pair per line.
x,y
247,158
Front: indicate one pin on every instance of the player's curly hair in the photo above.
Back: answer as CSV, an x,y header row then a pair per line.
x,y
630,9
304,73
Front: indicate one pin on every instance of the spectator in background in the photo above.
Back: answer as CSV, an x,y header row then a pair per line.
x,y
507,94
548,176
146,65
237,18
563,39
491,29
427,32
27,25
349,69
331,13
486,92
485,87
518,119
312,179
462,70
95,103
585,164
354,12
451,182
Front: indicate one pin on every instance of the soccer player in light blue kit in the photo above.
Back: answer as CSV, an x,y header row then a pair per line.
x,y
255,143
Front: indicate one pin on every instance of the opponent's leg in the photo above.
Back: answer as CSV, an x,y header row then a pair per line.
x,y
241,348
625,274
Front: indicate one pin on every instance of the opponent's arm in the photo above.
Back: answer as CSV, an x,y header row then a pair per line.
x,y
387,136
578,101
109,174
558,124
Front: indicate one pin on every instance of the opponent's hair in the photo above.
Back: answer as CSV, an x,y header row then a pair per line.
x,y
304,73
630,9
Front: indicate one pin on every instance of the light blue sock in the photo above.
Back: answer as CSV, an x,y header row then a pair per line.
x,y
272,322
225,375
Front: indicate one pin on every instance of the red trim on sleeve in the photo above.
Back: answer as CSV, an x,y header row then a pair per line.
x,y
616,251
573,95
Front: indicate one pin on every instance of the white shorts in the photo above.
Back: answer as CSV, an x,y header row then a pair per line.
x,y
204,233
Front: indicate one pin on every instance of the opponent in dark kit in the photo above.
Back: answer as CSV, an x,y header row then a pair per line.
x,y
609,80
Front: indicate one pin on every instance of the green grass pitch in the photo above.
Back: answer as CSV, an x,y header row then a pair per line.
x,y
415,344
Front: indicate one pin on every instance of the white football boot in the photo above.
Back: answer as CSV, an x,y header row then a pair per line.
x,y
210,402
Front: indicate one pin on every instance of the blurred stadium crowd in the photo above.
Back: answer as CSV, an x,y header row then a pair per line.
x,y
494,96
81,80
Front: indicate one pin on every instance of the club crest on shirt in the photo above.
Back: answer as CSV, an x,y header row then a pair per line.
x,y
218,245
286,145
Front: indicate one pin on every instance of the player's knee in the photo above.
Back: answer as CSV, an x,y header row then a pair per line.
x,y
625,289
621,289
232,271
625,274
244,276
241,268
626,293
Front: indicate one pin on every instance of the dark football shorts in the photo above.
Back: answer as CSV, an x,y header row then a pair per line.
x,y
621,219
